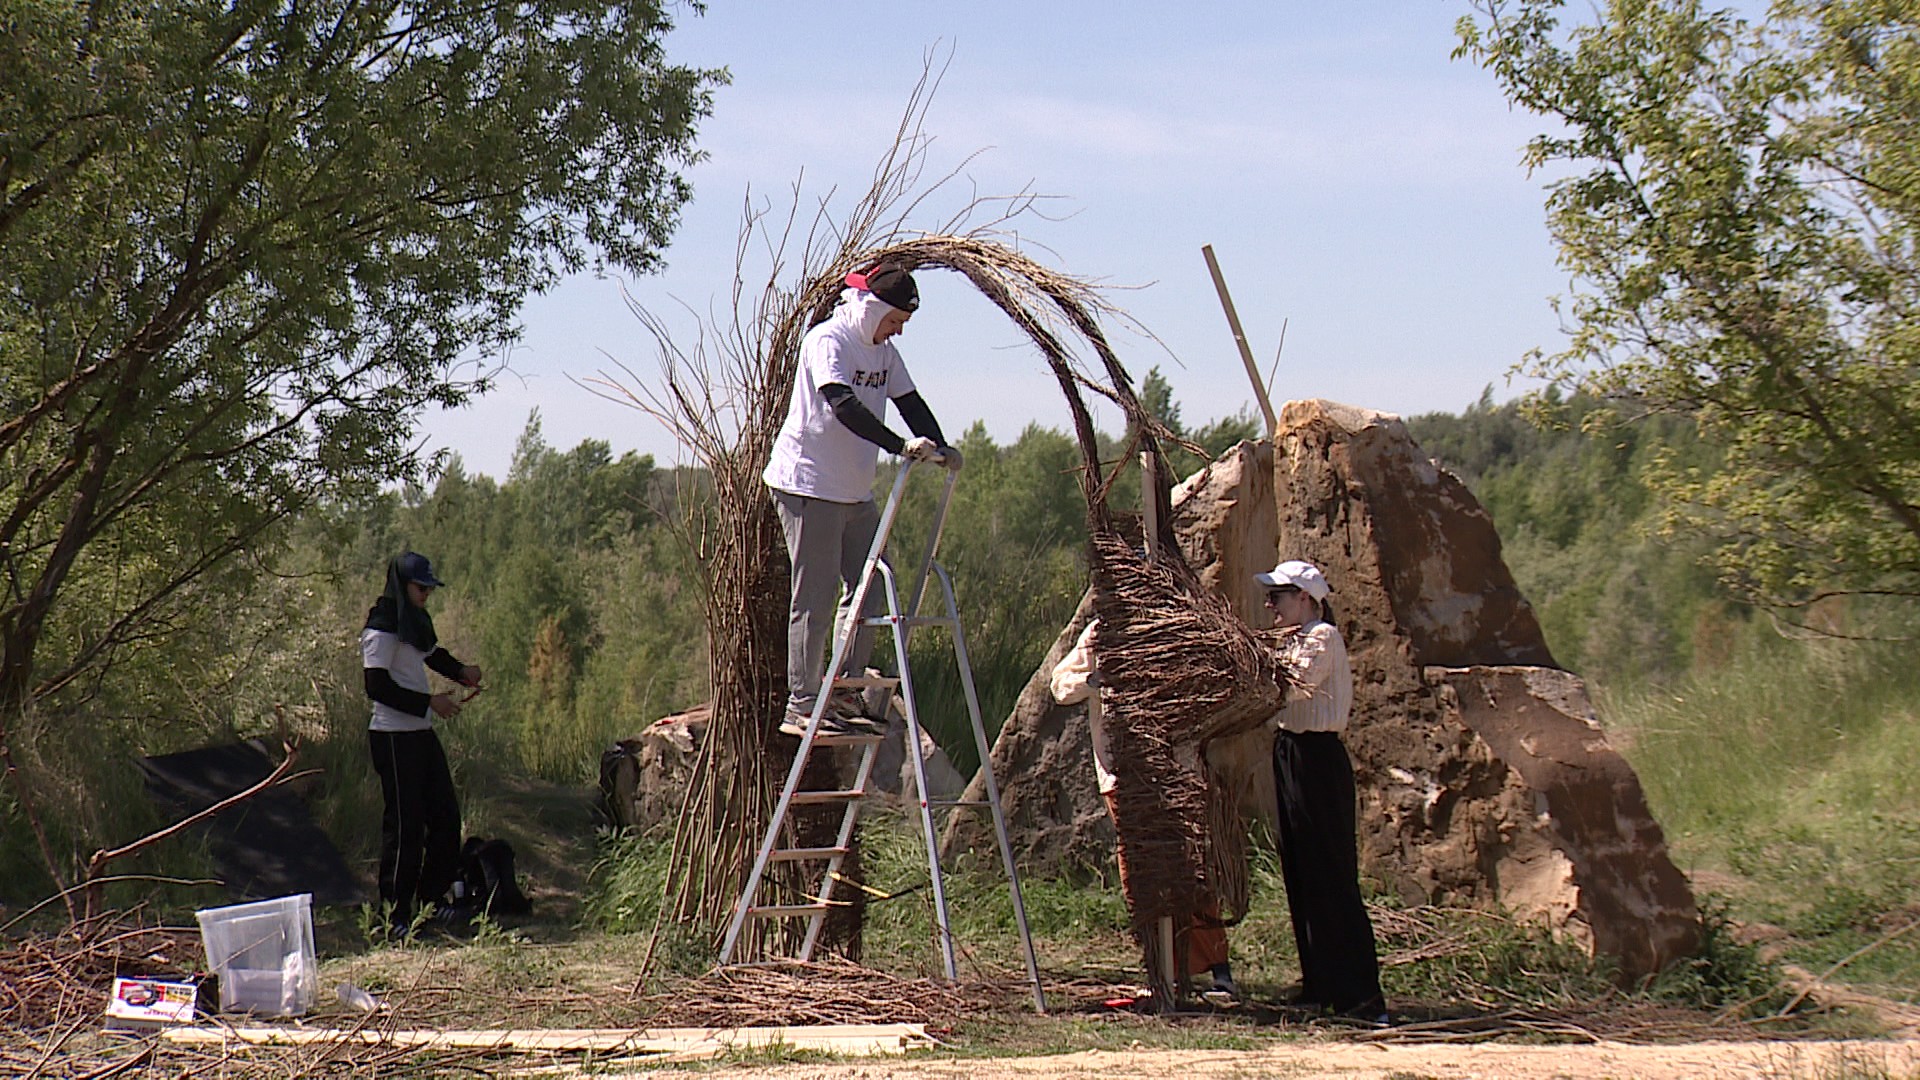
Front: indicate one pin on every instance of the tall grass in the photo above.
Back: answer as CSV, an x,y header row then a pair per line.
x,y
1787,778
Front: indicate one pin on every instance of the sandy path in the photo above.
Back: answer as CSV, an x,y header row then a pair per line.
x,y
1898,1060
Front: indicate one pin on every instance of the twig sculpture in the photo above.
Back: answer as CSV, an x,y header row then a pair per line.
x,y
1185,669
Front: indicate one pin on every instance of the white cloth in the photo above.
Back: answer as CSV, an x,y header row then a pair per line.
x,y
1317,656
408,666
815,455
1070,684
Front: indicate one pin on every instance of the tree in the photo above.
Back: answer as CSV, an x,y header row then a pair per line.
x,y
1214,438
247,243
1739,215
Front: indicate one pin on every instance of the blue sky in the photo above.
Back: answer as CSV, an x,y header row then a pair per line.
x,y
1353,180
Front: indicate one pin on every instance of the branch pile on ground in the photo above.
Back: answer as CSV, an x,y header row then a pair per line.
x,y
828,991
49,980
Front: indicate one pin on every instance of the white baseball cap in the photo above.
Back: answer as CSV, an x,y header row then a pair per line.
x,y
1302,575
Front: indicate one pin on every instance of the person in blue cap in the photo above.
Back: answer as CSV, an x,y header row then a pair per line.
x,y
420,822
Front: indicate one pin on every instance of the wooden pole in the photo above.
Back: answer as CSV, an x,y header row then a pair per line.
x,y
1149,503
1167,972
1240,339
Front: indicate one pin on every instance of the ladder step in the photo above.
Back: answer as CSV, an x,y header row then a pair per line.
x,y
814,798
848,740
888,681
906,620
781,911
958,802
800,854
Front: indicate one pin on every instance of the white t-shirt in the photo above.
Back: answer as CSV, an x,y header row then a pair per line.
x,y
408,665
815,455
1316,654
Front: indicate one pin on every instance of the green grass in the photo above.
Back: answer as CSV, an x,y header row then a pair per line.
x,y
1437,957
1789,781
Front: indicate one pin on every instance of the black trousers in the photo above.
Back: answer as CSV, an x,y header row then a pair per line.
x,y
420,826
1314,779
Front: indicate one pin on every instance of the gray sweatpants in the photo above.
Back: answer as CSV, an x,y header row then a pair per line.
x,y
827,543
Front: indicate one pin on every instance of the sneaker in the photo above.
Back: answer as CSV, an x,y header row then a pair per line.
x,y
453,920
1224,993
795,724
848,702
849,706
1223,979
1373,1011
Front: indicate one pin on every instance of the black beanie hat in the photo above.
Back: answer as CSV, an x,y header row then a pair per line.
x,y
890,282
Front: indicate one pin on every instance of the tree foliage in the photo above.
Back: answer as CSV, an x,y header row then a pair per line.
x,y
1738,204
247,244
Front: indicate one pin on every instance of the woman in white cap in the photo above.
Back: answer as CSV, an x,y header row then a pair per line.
x,y
1339,969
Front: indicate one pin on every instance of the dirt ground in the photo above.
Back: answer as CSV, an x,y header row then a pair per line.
x,y
1850,1060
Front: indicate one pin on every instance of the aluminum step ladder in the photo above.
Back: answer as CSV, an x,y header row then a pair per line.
x,y
901,619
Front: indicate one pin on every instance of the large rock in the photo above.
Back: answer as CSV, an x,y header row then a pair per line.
x,y
1483,774
1484,777
1043,763
644,777
1590,859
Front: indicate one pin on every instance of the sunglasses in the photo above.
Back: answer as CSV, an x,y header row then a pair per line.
x,y
1274,596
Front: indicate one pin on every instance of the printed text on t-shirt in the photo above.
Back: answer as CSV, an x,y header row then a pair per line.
x,y
870,378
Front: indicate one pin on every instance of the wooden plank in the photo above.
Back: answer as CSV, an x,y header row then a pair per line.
x,y
832,1038
801,854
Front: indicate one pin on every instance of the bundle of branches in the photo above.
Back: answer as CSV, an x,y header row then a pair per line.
x,y
52,980
724,398
1178,668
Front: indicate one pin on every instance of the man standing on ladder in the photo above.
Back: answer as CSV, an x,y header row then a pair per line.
x,y
822,469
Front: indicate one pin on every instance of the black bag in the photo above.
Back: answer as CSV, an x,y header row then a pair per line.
x,y
486,866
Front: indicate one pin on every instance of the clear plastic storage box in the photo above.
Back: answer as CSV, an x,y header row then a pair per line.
x,y
263,953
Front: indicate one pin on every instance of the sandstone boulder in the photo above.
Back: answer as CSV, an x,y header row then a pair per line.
x,y
1484,775
1043,764
643,777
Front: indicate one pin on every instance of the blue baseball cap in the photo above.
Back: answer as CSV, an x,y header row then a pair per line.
x,y
415,568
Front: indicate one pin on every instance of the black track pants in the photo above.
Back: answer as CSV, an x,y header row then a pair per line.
x,y
420,827
1314,778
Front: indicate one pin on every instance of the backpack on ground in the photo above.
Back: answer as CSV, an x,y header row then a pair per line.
x,y
486,866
